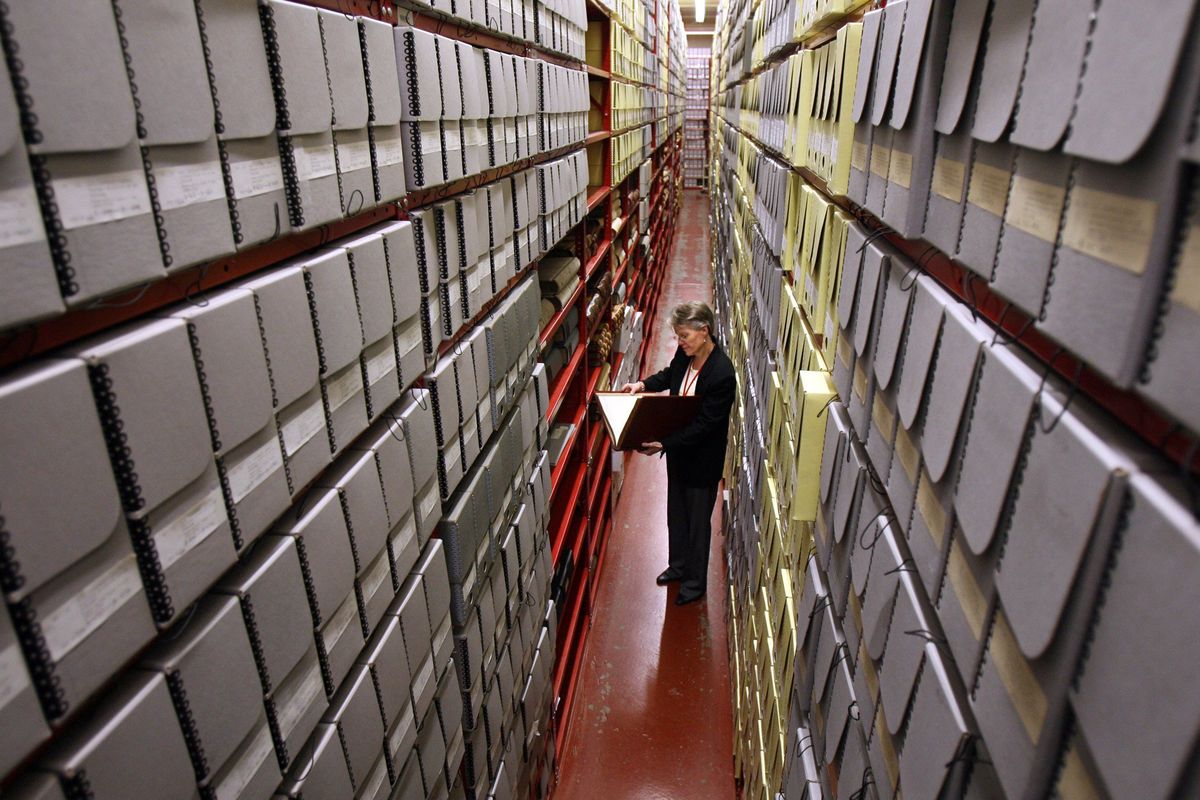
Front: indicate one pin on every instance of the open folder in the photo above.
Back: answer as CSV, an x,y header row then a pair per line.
x,y
634,419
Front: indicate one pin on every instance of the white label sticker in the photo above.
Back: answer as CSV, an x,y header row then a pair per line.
x,y
256,176
314,161
468,584
429,503
420,683
246,766
300,429
439,638
403,538
189,184
174,539
337,626
381,365
14,678
431,140
353,156
403,726
20,217
310,686
250,473
96,199
343,387
453,137
72,622
408,338
389,152
374,784
451,456
375,577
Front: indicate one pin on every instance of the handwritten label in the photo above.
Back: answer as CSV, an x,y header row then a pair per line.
x,y
177,537
389,152
346,385
354,156
246,765
67,626
1112,228
14,678
900,169
1186,291
20,217
302,698
256,176
250,472
300,429
948,176
880,156
189,184
314,161
96,199
989,188
381,365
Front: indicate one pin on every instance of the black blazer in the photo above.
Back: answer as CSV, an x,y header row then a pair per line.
x,y
696,453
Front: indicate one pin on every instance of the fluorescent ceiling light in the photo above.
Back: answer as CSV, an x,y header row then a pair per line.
x,y
699,10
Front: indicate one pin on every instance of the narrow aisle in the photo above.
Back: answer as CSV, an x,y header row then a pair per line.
x,y
652,718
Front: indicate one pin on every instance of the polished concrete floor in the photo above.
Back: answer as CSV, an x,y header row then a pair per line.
x,y
651,718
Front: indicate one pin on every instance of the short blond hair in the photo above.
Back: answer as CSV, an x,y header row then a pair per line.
x,y
695,315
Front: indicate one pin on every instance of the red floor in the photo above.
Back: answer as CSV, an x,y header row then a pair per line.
x,y
651,718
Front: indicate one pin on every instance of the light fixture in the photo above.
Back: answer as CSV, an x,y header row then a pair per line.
x,y
699,10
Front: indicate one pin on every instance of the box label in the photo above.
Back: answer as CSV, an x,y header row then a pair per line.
x,y
859,156
250,473
14,678
389,152
931,510
76,619
300,429
189,184
300,701
346,385
246,766
989,188
404,535
900,169
1112,228
1186,291
403,725
337,625
429,503
20,217
380,572
96,199
1018,679
176,538
381,364
909,457
408,338
880,156
948,178
255,177
354,156
966,589
1035,207
314,161
421,682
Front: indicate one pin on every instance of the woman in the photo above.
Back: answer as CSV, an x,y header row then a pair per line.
x,y
695,453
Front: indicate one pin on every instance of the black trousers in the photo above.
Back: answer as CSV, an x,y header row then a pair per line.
x,y
689,531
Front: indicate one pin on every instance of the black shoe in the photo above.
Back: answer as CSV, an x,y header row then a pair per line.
x,y
684,598
667,576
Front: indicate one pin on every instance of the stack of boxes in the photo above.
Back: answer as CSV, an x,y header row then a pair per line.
x,y
936,589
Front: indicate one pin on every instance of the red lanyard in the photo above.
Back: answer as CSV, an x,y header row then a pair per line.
x,y
689,384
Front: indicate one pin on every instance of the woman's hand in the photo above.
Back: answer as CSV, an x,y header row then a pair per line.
x,y
650,448
634,388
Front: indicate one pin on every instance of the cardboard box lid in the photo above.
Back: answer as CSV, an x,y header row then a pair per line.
x,y
212,661
851,476
74,116
925,324
270,581
442,384
174,101
416,412
319,526
356,479
965,34
319,769
355,711
446,51
914,53
412,609
224,329
241,82
436,582
372,287
1143,644
334,311
1004,60
287,332
851,269
1134,77
999,425
1056,48
379,63
876,263
58,490
420,86
387,658
885,61
937,730
151,370
344,64
387,441
952,388
910,630
298,67
400,250
474,82
134,725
